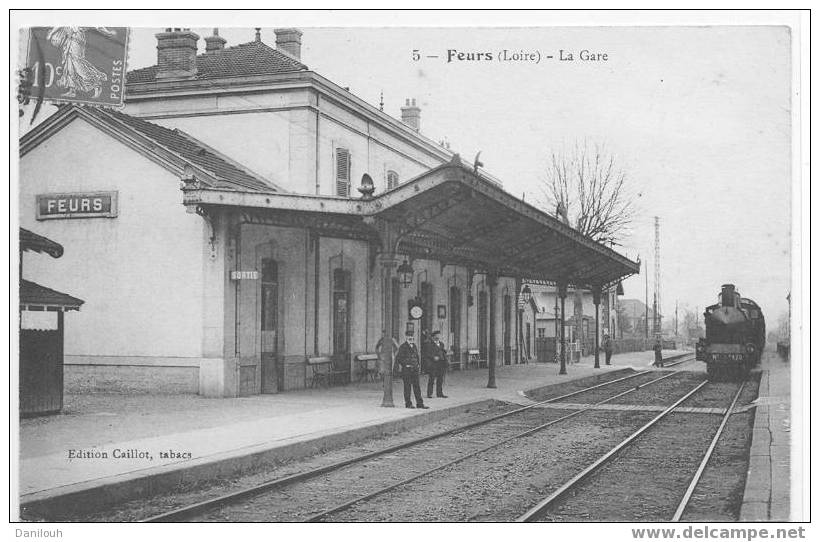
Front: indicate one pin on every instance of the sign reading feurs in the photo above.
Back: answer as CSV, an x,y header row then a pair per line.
x,y
82,205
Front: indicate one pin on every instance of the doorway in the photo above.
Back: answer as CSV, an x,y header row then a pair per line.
x,y
269,325
427,307
341,320
506,322
528,339
395,288
482,324
455,322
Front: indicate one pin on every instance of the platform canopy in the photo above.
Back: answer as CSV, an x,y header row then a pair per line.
x,y
34,297
450,213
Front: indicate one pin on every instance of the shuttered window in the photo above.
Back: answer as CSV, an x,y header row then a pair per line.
x,y
343,172
392,180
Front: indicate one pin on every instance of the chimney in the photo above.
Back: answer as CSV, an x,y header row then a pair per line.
x,y
727,295
176,53
214,43
289,40
411,115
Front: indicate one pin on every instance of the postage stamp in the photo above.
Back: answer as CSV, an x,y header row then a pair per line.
x,y
78,64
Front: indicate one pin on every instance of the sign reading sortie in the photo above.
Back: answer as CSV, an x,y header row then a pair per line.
x,y
244,275
83,205
78,64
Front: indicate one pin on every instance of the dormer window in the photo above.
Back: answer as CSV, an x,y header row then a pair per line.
x,y
343,172
392,180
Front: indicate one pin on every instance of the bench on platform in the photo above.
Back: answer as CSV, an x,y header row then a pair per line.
x,y
474,359
454,360
324,372
368,367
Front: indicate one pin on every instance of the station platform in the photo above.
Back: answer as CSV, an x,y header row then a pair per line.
x,y
112,447
767,493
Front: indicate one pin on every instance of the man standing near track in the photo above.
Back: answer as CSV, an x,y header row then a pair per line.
x,y
608,347
408,361
658,348
435,356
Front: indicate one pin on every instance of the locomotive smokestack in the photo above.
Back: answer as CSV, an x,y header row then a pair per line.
x,y
727,295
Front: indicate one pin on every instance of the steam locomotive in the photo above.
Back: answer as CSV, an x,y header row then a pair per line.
x,y
735,336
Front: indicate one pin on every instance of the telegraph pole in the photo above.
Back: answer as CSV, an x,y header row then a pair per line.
x,y
676,318
657,316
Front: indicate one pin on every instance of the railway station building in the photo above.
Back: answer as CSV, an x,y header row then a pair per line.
x,y
244,215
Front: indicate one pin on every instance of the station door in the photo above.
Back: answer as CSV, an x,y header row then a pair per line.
x,y
455,320
507,323
341,319
482,324
269,327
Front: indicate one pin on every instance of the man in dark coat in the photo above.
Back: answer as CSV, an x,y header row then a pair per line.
x,y
658,348
407,359
608,348
435,355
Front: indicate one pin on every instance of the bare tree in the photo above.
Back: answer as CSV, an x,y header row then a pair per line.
x,y
590,192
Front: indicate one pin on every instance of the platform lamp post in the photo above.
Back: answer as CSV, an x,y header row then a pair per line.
x,y
526,296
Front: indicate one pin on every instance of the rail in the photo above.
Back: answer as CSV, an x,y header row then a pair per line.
x,y
696,478
537,510
196,508
352,502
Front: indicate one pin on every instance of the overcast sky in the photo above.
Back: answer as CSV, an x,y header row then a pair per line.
x,y
699,117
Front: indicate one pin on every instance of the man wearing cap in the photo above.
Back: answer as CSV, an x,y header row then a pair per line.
x,y
608,348
408,360
435,360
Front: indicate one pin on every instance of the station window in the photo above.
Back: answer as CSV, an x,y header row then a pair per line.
x,y
392,180
343,172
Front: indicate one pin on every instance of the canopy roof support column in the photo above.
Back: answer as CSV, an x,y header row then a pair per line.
x,y
596,299
518,317
388,265
492,282
562,293
389,238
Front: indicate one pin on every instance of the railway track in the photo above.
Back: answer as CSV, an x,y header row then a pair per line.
x,y
510,432
348,504
682,359
573,487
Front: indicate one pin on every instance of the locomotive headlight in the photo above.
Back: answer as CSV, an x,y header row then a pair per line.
x,y
750,348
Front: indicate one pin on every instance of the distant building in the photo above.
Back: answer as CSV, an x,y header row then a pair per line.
x,y
579,321
633,315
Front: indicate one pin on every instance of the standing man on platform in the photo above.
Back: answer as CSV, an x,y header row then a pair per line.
x,y
658,348
408,361
435,354
608,348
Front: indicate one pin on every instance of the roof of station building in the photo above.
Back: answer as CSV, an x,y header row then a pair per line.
x,y
194,151
211,166
245,59
36,296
